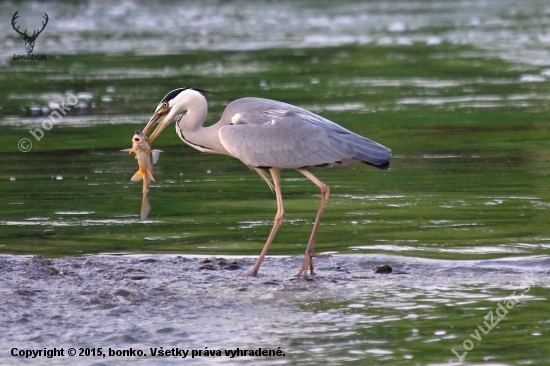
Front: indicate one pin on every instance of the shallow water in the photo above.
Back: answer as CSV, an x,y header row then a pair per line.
x,y
458,90
414,315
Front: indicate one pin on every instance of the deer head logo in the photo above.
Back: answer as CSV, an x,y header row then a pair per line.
x,y
29,40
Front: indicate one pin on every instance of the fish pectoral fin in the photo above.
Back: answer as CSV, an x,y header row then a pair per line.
x,y
156,154
137,177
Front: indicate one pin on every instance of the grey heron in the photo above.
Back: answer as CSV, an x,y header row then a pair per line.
x,y
268,135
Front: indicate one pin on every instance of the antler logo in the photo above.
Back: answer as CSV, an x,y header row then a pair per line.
x,y
29,40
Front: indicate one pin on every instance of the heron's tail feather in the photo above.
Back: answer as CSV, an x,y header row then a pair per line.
x,y
371,152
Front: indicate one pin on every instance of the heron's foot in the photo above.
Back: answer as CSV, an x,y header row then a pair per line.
x,y
252,273
308,262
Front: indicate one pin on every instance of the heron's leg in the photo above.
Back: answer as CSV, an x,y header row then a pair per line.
x,y
325,192
276,174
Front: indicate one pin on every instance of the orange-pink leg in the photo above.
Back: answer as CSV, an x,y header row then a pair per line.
x,y
325,192
276,174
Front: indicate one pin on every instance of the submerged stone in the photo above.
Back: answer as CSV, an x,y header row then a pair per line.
x,y
383,269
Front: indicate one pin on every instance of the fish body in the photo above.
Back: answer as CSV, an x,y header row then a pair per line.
x,y
146,157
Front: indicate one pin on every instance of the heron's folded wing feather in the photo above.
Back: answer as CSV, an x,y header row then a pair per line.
x,y
299,124
285,144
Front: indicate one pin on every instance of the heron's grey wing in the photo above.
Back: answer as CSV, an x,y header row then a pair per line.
x,y
304,136
288,145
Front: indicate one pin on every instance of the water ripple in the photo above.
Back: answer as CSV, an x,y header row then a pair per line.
x,y
153,300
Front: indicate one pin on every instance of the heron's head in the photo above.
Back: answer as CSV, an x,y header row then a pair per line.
x,y
173,104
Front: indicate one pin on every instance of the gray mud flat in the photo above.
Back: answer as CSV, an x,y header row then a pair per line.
x,y
345,313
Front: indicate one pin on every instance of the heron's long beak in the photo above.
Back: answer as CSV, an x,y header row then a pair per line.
x,y
162,124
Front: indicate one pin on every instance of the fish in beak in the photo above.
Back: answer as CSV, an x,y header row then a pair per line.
x,y
159,117
146,157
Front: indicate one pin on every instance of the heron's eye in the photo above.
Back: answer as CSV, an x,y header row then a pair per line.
x,y
164,105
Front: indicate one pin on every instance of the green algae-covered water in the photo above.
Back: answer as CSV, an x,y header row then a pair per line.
x,y
460,91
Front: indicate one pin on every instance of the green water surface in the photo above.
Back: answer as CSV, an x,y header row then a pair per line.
x,y
463,175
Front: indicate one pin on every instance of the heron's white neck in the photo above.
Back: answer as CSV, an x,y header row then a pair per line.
x,y
190,127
